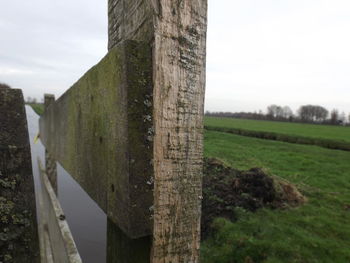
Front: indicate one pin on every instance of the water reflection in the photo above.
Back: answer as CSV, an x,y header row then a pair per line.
x,y
121,249
88,223
86,220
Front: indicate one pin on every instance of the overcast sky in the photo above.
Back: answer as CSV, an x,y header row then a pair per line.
x,y
287,52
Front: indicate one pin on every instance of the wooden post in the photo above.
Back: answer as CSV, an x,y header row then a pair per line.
x,y
50,162
177,32
134,123
179,86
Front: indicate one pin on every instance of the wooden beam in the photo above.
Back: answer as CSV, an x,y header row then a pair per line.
x,y
58,240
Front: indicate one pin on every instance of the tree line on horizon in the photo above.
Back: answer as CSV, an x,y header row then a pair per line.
x,y
305,114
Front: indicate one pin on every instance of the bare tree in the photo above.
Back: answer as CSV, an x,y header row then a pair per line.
x,y
320,113
287,112
31,100
279,112
271,111
305,113
342,117
334,116
311,113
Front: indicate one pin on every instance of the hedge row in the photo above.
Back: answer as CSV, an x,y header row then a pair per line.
x,y
326,143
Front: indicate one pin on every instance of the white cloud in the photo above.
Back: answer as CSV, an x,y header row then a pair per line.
x,y
14,71
287,52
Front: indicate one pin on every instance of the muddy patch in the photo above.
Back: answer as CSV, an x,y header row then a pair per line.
x,y
226,188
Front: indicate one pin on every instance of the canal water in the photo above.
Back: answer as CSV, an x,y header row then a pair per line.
x,y
88,223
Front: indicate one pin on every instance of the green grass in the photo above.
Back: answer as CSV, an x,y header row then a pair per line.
x,y
37,107
319,231
338,133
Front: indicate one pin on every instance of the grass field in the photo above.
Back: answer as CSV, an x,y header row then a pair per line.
x,y
37,107
318,231
338,133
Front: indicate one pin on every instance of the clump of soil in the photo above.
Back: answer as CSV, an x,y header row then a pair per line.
x,y
226,188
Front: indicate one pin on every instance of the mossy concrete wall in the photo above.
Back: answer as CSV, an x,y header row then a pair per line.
x,y
50,163
101,131
18,225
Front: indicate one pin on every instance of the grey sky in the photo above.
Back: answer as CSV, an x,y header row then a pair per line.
x,y
288,52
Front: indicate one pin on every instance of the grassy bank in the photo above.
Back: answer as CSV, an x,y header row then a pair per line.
x,y
339,133
316,232
37,107
332,137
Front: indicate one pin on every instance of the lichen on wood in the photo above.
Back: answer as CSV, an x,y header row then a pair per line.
x,y
176,30
179,54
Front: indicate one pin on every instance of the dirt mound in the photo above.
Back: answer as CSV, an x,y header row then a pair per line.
x,y
225,188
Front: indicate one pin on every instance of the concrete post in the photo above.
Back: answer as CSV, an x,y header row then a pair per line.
x,y
18,224
50,162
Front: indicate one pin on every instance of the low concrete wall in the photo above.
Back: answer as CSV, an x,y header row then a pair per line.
x,y
101,131
57,245
18,225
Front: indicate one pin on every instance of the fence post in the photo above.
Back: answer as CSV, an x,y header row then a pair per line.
x,y
130,131
177,32
50,162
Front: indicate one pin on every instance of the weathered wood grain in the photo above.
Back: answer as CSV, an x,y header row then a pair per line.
x,y
56,232
130,20
179,86
177,33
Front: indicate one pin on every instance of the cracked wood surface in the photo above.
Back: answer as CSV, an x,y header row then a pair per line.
x,y
179,86
177,32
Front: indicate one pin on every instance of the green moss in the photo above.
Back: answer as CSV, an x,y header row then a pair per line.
x,y
105,121
7,258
